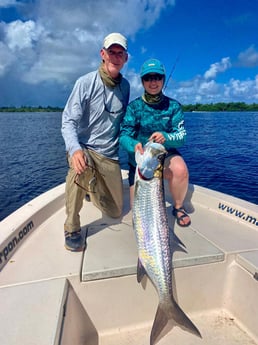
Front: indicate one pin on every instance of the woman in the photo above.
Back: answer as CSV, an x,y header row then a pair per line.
x,y
154,116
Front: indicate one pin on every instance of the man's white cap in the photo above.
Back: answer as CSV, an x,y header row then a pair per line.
x,y
115,38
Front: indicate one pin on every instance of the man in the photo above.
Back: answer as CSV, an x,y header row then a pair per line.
x,y
90,128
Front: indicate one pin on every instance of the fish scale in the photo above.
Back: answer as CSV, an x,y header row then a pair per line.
x,y
150,218
150,223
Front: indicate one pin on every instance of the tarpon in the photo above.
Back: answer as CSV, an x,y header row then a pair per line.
x,y
151,228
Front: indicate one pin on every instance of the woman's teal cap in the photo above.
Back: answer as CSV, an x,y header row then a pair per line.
x,y
152,66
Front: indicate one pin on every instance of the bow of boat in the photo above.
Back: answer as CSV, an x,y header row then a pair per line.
x,y
51,296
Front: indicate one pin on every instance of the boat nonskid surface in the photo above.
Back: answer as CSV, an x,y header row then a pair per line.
x,y
213,277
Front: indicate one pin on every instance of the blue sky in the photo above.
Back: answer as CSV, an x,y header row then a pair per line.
x,y
212,46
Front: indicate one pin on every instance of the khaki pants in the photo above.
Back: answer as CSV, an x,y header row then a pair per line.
x,y
103,184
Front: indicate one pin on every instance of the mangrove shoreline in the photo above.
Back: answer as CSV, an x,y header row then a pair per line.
x,y
198,107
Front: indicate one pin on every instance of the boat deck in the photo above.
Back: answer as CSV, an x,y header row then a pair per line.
x,y
51,296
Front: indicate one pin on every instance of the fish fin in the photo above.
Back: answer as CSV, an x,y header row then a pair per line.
x,y
168,317
160,322
176,244
182,320
140,271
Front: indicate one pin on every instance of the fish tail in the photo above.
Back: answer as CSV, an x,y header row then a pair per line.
x,y
170,316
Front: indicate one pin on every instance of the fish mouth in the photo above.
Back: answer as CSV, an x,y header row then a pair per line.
x,y
150,163
147,176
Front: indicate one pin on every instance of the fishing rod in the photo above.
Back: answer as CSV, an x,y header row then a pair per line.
x,y
172,70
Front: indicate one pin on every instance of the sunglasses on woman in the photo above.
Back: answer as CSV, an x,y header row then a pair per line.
x,y
151,77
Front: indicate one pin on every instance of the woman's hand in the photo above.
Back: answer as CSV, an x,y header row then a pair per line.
x,y
138,147
157,137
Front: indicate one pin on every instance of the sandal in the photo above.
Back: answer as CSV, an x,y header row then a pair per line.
x,y
180,218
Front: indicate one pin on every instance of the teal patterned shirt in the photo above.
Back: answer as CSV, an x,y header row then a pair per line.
x,y
142,120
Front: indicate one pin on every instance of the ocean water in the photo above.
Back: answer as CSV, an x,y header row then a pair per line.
x,y
221,153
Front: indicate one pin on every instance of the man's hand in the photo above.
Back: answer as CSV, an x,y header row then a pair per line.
x,y
79,161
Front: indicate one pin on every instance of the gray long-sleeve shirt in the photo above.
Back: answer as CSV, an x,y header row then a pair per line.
x,y
92,115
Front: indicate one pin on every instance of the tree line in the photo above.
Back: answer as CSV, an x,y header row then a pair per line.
x,y
232,106
29,109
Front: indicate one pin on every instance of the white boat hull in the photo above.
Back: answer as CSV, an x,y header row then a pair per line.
x,y
51,296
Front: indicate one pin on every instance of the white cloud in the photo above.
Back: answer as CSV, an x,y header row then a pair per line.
x,y
199,90
6,59
56,43
8,3
218,67
66,43
256,83
248,58
98,18
204,89
247,89
209,87
135,83
21,35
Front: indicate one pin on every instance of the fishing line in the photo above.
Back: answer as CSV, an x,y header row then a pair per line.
x,y
172,70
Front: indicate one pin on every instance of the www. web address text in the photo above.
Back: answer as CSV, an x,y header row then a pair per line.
x,y
239,214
